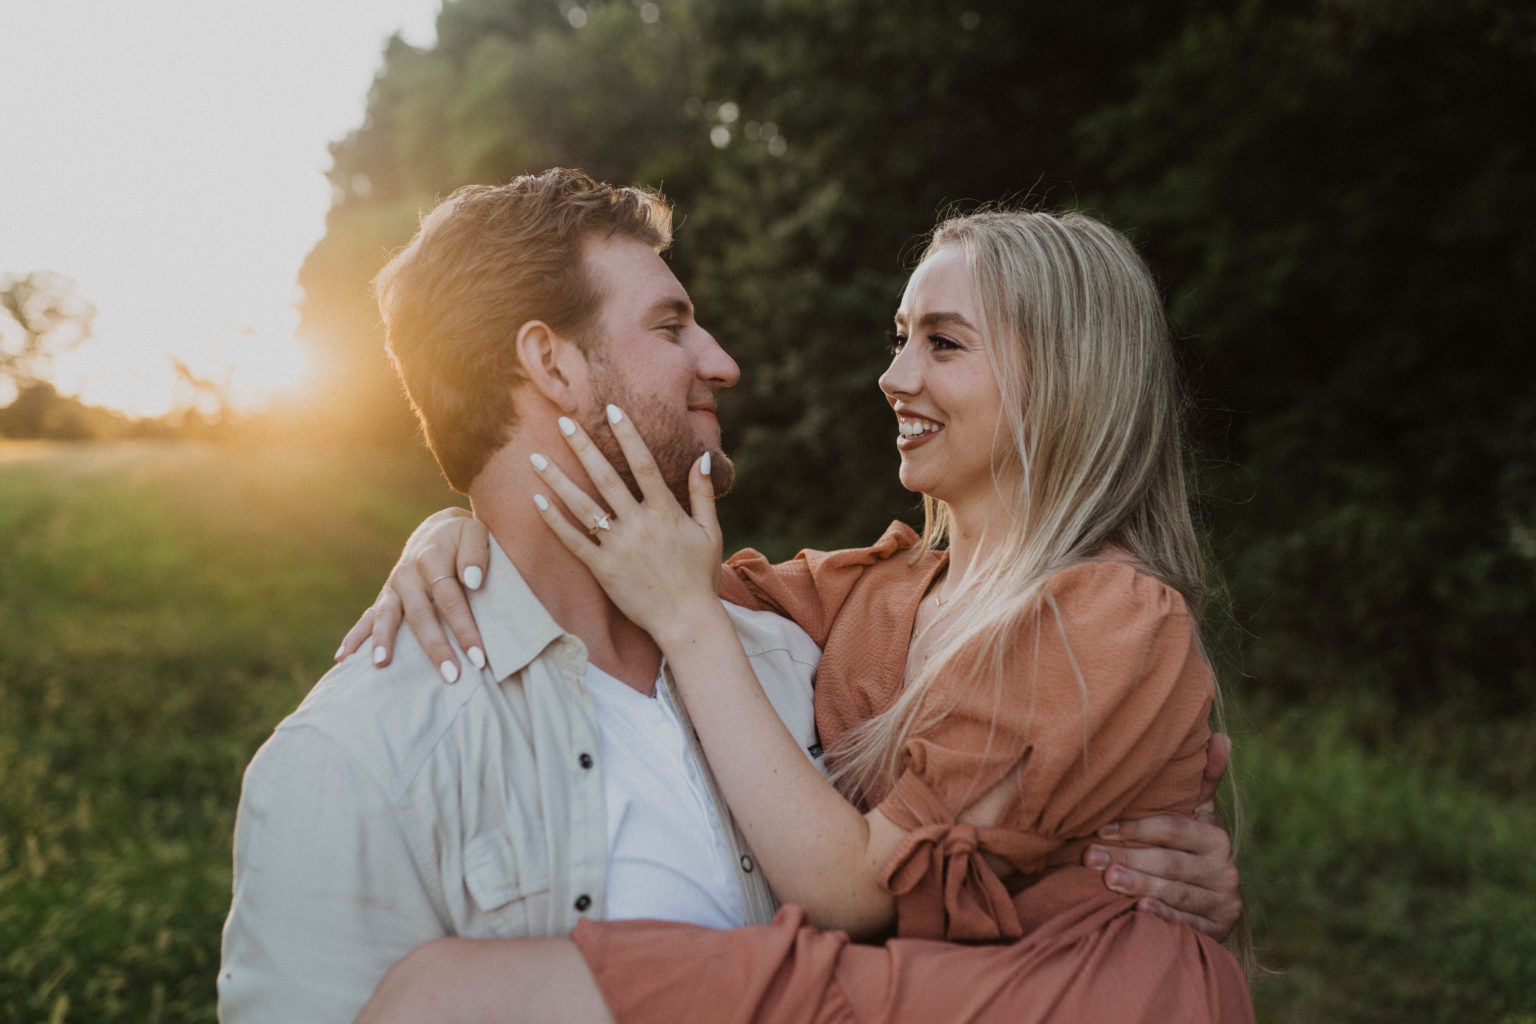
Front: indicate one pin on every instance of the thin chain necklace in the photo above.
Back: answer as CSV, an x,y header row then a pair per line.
x,y
939,603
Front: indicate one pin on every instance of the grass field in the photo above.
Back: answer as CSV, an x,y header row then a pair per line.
x,y
163,606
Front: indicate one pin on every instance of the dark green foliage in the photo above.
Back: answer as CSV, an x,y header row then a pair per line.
x,y
1343,198
1338,195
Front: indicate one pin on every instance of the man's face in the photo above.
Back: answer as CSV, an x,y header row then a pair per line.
x,y
653,360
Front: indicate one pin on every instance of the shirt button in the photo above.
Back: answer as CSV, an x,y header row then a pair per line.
x,y
746,864
585,760
583,902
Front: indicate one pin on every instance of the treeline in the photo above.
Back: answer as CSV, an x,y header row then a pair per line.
x,y
40,413
1339,197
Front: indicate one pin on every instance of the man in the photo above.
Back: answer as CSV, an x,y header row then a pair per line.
x,y
561,778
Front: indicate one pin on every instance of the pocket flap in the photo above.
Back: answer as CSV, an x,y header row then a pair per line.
x,y
502,867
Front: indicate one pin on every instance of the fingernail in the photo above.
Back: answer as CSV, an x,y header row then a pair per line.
x,y
337,655
476,657
1110,830
538,499
1097,859
540,463
379,654
1116,878
473,577
450,671
566,426
614,415
704,464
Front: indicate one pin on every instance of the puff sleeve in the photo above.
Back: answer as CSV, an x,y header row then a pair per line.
x,y
1101,714
810,588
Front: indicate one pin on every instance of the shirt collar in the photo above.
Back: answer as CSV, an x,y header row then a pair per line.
x,y
516,628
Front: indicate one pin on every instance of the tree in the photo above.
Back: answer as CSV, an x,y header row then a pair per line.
x,y
511,86
1338,195
1341,196
871,118
44,316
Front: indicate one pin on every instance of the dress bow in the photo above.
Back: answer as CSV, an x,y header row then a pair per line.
x,y
945,888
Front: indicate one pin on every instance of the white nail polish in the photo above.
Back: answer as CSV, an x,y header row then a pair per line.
x,y
337,655
540,463
566,426
476,657
539,500
704,464
473,577
379,654
614,415
450,671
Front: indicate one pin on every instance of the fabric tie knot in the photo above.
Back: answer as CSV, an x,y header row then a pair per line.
x,y
944,886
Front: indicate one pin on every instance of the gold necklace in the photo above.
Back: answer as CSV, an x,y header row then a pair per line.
x,y
939,603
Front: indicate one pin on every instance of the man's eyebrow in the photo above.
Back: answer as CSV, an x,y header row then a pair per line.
x,y
930,321
674,305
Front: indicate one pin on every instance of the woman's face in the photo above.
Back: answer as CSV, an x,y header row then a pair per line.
x,y
941,386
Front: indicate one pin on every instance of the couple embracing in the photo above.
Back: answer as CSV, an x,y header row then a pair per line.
x,y
864,785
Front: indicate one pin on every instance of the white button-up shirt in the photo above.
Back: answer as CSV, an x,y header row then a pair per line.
x,y
391,809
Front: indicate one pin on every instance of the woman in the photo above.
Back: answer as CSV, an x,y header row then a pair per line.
x,y
988,704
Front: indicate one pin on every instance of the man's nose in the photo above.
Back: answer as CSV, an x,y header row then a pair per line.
x,y
715,364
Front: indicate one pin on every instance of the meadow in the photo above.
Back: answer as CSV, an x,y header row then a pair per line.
x,y
162,606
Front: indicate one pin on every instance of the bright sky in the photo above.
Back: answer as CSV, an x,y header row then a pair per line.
x,y
169,156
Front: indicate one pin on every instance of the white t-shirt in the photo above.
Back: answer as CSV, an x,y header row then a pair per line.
x,y
667,854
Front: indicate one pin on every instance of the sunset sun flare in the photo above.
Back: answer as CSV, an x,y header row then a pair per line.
x,y
174,171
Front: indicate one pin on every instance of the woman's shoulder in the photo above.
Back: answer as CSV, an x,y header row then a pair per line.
x,y
815,587
898,539
1113,583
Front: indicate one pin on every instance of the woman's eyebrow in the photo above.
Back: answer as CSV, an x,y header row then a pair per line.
x,y
930,321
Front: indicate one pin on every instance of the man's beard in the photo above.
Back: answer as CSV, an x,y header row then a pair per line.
x,y
670,438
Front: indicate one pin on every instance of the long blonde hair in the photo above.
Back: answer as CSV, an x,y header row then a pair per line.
x,y
1079,344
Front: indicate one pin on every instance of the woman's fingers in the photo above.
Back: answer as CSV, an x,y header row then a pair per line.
x,y
642,465
436,591
412,596
610,486
701,494
386,614
583,508
570,536
360,631
474,554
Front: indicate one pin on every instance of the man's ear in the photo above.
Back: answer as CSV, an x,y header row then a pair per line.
x,y
553,364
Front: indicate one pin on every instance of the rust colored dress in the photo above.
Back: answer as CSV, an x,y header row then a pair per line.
x,y
1055,945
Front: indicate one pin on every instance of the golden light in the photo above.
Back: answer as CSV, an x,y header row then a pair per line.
x,y
174,169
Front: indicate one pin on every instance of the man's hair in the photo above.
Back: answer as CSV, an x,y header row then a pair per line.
x,y
485,261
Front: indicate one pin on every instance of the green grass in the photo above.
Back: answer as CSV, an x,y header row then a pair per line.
x,y
163,606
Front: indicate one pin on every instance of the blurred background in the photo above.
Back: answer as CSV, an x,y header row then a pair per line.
x,y
206,465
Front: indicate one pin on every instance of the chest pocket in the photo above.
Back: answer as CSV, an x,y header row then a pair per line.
x,y
505,875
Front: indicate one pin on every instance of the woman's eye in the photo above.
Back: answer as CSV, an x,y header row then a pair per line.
x,y
897,341
939,341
